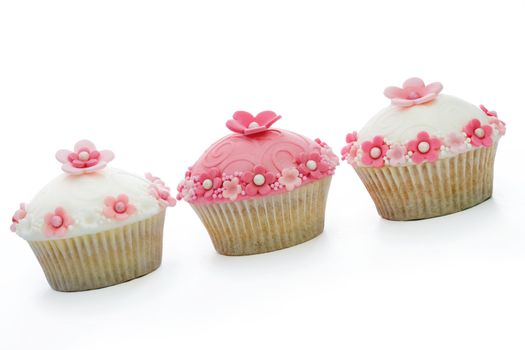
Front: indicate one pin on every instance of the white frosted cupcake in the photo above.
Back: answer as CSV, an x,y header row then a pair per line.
x,y
426,154
260,189
94,226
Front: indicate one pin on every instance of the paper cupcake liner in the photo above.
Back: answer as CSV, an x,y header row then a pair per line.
x,y
265,224
431,189
102,259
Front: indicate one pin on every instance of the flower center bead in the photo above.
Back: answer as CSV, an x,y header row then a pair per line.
x,y
56,221
311,164
253,125
479,132
413,95
423,147
207,184
83,156
120,207
259,180
375,152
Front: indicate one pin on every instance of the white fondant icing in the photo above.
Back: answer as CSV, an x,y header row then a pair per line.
x,y
82,197
440,117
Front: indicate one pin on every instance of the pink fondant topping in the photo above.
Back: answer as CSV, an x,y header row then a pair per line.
x,y
487,112
480,135
161,192
84,159
374,152
251,163
246,124
19,215
413,92
118,208
57,223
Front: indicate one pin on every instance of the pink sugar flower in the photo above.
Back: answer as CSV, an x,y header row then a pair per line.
x,y
397,155
311,164
161,192
350,140
480,135
352,154
499,125
258,181
413,92
487,112
84,159
186,190
374,151
19,215
57,223
290,178
456,142
246,124
118,208
231,189
210,181
424,148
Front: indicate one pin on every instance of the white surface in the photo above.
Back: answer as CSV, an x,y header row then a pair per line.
x,y
155,82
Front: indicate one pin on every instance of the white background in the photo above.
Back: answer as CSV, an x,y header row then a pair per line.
x,y
156,81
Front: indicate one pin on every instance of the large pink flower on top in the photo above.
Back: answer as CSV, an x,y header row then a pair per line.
x,y
246,124
161,192
84,159
57,223
480,135
210,181
311,164
424,147
258,181
18,216
118,208
413,92
374,151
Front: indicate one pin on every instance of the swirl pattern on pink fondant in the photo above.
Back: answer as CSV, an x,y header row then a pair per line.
x,y
241,156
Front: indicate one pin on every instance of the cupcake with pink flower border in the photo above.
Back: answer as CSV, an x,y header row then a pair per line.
x,y
94,226
427,154
260,189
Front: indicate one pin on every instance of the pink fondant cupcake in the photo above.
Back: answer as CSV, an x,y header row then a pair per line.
x,y
94,226
260,189
426,154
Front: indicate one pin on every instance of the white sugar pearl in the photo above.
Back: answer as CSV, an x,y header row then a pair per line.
x,y
253,125
375,152
259,179
83,156
207,184
479,132
311,164
423,147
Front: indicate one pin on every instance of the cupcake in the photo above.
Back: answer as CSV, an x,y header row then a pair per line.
x,y
94,226
427,154
260,189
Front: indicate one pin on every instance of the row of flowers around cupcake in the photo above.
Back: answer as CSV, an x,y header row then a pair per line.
x,y
378,152
119,208
216,185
